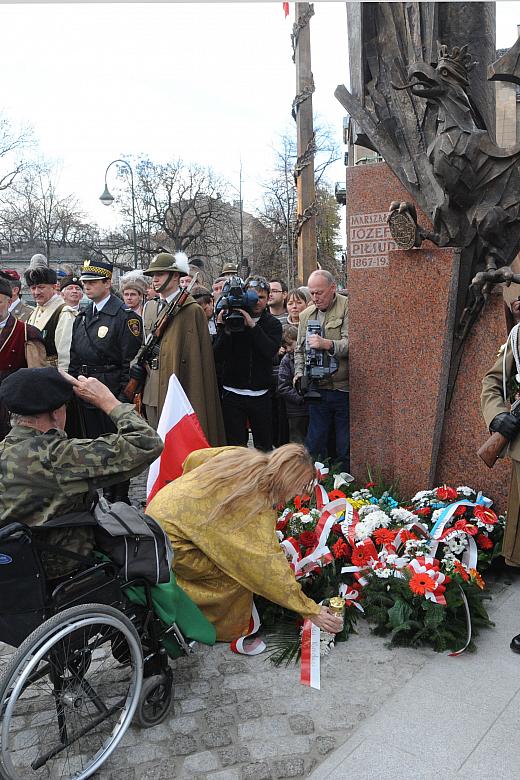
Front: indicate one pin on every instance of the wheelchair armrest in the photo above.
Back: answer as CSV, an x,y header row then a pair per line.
x,y
13,529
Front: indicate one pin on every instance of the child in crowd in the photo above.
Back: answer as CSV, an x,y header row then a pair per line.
x,y
295,405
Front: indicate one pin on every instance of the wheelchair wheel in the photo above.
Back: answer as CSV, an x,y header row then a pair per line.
x,y
155,700
65,701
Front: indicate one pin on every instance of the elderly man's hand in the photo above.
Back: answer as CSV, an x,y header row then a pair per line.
x,y
328,621
93,391
318,342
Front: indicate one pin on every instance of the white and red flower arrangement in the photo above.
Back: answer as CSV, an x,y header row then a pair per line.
x,y
414,570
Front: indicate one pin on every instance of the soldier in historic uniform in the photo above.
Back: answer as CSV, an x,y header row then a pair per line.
x,y
105,338
21,345
185,350
19,309
51,316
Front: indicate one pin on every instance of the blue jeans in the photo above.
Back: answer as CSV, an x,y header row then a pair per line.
x,y
330,414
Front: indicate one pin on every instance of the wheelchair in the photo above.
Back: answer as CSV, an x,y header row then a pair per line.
x,y
88,662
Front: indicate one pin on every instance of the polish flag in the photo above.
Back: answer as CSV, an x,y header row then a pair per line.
x,y
181,433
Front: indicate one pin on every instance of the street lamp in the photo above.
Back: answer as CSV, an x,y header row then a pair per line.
x,y
107,199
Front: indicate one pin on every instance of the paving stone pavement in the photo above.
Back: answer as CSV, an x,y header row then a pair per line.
x,y
240,718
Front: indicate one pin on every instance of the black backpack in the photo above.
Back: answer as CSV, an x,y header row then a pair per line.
x,y
134,541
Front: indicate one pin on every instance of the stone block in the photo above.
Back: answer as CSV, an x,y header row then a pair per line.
x,y
301,724
264,728
235,754
262,750
289,767
324,745
216,738
234,666
200,762
249,710
182,744
215,718
223,698
194,704
257,771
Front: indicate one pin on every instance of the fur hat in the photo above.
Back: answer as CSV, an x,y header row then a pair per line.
x,y
134,280
68,280
40,275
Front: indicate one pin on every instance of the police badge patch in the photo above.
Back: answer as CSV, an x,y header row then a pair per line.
x,y
135,327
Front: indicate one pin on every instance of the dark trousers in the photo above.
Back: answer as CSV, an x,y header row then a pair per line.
x,y
238,410
298,429
332,412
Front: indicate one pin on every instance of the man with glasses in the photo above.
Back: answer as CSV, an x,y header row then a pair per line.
x,y
278,300
244,360
330,413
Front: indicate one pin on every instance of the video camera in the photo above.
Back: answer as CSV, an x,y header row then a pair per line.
x,y
235,296
319,364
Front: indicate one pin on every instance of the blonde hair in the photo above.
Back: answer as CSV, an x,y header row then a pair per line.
x,y
255,480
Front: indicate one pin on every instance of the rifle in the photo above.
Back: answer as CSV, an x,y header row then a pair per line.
x,y
149,350
496,444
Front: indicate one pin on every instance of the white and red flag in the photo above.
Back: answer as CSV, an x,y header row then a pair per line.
x,y
181,433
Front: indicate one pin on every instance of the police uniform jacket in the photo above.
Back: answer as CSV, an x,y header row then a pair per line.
x,y
104,344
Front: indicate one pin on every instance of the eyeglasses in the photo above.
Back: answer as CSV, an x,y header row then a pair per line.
x,y
277,291
255,283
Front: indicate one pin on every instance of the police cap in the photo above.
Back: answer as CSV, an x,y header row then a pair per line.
x,y
35,390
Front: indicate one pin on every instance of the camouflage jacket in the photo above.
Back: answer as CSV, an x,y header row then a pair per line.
x,y
44,475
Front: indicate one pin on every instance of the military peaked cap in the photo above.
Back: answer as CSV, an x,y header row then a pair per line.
x,y
35,390
98,269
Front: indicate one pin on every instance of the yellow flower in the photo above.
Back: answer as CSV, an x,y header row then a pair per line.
x,y
357,504
477,579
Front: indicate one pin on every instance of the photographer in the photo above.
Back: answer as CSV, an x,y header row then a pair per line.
x,y
330,410
247,341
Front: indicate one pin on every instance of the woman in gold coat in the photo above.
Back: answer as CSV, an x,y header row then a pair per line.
x,y
220,516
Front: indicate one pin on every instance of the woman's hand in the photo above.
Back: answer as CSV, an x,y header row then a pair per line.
x,y
328,621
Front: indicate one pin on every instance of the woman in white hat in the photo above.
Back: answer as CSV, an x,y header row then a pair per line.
x,y
133,286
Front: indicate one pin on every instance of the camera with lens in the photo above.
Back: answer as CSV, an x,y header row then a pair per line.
x,y
319,364
235,296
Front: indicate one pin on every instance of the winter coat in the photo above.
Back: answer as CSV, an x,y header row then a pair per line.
x,y
295,405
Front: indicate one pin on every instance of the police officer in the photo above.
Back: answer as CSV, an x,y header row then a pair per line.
x,y
105,338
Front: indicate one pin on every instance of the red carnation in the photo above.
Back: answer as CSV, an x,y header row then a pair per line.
x,y
446,493
305,510
424,512
460,510
297,502
484,542
336,529
341,549
308,539
407,536
370,485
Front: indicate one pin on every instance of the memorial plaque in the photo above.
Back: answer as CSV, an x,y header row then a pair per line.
x,y
403,229
370,240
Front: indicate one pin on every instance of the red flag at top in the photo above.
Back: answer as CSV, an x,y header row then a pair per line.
x,y
286,9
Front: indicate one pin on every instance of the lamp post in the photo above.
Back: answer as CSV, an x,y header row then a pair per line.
x,y
107,199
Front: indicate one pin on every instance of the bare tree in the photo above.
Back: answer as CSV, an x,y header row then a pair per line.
x,y
13,143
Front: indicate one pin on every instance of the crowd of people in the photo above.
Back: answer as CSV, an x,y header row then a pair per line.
x,y
239,351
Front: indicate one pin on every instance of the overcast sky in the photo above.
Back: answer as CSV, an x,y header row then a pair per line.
x,y
210,83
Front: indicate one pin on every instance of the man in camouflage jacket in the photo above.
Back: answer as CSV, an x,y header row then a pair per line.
x,y
44,474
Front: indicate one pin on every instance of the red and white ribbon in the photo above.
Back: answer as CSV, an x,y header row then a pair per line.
x,y
310,655
256,645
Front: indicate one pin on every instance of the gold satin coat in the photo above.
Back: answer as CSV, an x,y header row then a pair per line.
x,y
220,566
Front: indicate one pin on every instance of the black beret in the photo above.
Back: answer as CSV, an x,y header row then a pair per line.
x,y
35,276
67,280
5,287
35,390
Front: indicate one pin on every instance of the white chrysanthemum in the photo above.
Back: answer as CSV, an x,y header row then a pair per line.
x,y
363,531
415,547
383,574
380,519
403,515
422,494
307,519
436,514
465,490
363,511
456,542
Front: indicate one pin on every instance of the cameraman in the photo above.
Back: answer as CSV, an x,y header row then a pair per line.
x,y
331,311
244,360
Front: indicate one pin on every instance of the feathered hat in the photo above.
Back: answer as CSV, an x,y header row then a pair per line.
x,y
39,272
166,262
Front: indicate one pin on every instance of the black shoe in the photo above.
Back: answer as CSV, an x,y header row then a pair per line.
x,y
515,644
